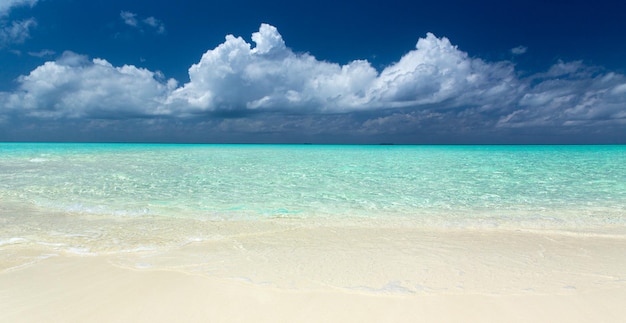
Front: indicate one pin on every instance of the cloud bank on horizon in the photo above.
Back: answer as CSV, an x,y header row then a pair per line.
x,y
268,88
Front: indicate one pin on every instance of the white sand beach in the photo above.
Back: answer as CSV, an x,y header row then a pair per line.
x,y
331,274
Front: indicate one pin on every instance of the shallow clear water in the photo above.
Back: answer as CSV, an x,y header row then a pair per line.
x,y
533,183
85,197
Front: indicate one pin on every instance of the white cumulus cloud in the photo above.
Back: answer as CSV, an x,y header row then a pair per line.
x,y
434,83
437,72
235,76
75,87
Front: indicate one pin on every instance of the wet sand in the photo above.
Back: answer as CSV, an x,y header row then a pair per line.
x,y
330,274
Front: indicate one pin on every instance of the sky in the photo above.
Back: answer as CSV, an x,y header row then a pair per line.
x,y
363,72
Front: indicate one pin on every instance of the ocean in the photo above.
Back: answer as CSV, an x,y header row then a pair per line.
x,y
121,198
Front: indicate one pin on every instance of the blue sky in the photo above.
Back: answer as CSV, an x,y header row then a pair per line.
x,y
323,72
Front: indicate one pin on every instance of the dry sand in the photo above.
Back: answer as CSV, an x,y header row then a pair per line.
x,y
331,274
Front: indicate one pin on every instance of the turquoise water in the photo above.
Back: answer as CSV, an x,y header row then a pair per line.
x,y
139,202
309,216
449,186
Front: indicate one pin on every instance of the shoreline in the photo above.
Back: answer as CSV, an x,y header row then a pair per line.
x,y
333,274
79,290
